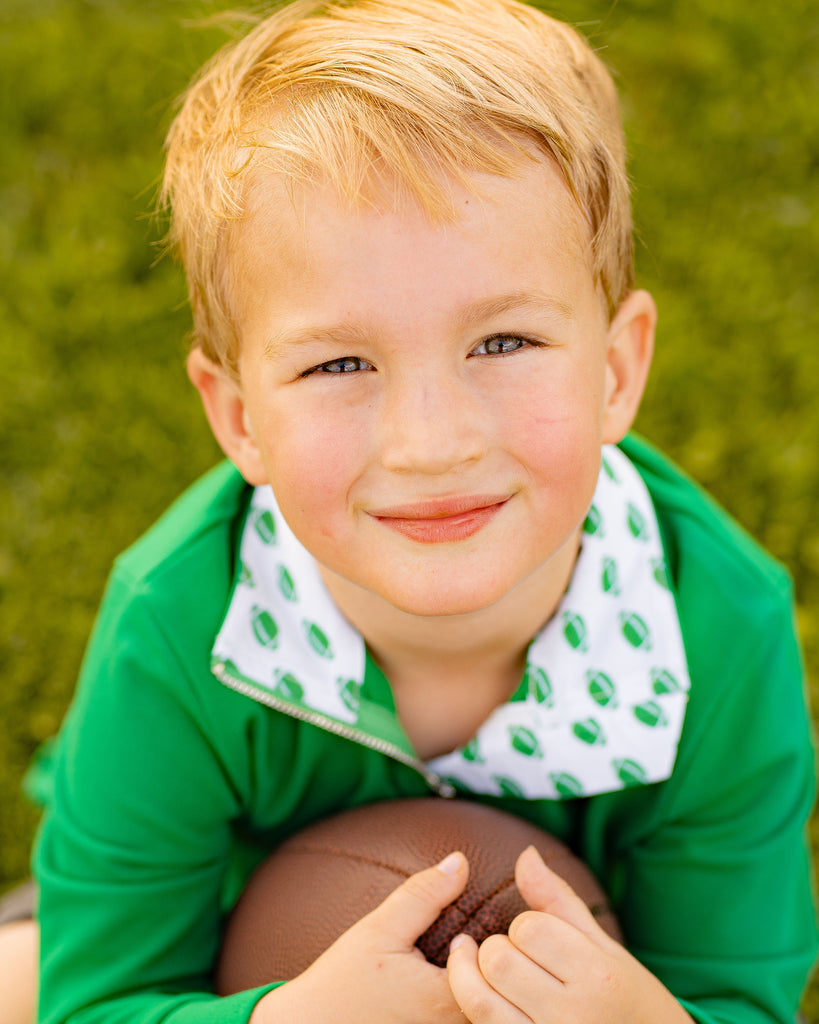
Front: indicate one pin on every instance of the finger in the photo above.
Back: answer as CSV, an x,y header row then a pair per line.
x,y
589,971
520,980
546,891
553,945
480,1001
411,908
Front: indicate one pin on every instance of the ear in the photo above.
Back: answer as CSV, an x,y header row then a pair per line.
x,y
630,346
225,409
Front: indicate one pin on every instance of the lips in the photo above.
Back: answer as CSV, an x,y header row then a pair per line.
x,y
441,521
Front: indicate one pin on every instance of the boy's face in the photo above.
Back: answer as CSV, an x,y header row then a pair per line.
x,y
428,401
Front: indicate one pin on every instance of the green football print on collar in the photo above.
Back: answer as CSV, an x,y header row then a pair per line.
x,y
600,705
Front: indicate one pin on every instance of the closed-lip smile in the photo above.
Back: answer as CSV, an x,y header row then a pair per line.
x,y
441,520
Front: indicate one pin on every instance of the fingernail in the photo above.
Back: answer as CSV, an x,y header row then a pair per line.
x,y
459,940
451,865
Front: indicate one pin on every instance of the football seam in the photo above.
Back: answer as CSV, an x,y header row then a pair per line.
x,y
358,857
373,861
597,909
466,918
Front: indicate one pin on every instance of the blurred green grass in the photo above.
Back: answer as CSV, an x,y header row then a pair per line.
x,y
100,431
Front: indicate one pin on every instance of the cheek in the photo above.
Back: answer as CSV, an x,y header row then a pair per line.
x,y
556,421
563,461
558,440
313,462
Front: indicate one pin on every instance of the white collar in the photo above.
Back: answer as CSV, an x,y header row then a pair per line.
x,y
601,705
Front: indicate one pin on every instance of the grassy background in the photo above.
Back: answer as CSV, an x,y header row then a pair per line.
x,y
100,431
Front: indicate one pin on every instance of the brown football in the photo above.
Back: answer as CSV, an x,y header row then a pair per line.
x,y
323,879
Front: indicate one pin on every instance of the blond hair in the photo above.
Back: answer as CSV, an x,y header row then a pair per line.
x,y
419,88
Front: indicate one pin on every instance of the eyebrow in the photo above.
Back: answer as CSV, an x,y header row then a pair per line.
x,y
514,302
341,334
473,313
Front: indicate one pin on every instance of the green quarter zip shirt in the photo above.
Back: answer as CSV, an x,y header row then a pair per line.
x,y
170,786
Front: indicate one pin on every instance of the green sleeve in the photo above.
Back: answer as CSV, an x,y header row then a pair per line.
x,y
132,853
718,897
716,883
732,871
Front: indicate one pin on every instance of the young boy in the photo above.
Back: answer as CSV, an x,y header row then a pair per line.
x,y
407,235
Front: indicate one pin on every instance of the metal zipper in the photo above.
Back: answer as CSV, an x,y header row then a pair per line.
x,y
434,781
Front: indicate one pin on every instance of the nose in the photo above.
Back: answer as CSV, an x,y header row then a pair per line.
x,y
431,426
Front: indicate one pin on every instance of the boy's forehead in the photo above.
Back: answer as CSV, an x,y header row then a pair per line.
x,y
278,206
301,239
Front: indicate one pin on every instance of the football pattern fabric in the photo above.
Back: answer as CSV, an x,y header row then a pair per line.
x,y
603,698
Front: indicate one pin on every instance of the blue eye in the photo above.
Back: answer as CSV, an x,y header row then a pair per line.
x,y
500,345
347,364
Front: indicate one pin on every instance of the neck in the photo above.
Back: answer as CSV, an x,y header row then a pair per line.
x,y
448,672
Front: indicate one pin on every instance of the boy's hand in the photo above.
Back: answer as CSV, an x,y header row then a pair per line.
x,y
373,972
555,965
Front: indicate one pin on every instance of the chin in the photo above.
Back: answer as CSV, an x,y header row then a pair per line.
x,y
434,601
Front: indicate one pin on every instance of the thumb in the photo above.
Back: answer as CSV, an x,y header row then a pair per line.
x,y
411,908
546,891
